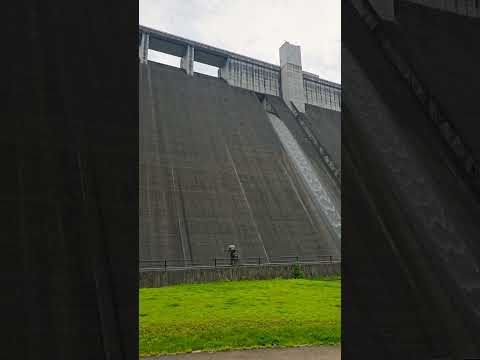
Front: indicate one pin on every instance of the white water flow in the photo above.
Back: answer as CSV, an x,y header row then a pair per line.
x,y
305,168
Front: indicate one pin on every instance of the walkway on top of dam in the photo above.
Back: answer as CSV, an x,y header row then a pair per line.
x,y
299,353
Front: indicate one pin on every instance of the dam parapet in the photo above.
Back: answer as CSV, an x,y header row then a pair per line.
x,y
288,80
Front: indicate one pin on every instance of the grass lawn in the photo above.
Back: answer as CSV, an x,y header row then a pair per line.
x,y
239,314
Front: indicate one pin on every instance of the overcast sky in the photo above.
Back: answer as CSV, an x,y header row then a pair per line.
x,y
255,28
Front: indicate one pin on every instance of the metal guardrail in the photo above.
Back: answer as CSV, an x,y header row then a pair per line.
x,y
215,262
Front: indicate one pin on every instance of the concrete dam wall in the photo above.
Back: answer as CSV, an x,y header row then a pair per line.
x,y
326,126
214,172
407,207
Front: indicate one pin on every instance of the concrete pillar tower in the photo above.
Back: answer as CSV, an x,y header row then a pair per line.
x,y
224,73
292,76
186,63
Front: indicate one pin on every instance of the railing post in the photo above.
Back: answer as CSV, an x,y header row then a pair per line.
x,y
331,260
215,258
259,260
165,264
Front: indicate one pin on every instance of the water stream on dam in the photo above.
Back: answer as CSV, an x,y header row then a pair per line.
x,y
307,172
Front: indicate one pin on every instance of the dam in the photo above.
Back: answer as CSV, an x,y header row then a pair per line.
x,y
410,152
250,158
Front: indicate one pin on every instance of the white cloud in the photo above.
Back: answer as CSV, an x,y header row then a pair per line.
x,y
256,28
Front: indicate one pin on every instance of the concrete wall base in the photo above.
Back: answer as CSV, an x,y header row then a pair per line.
x,y
160,278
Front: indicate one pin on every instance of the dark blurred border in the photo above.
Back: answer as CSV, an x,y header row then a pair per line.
x,y
69,184
69,181
411,181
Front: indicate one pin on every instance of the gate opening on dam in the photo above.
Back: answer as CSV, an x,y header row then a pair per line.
x,y
251,158
175,61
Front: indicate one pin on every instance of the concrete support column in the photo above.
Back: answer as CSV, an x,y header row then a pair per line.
x,y
186,62
292,76
224,73
143,48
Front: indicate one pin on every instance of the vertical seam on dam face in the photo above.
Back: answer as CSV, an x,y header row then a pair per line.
x,y
180,228
181,220
296,193
246,201
156,152
147,182
305,168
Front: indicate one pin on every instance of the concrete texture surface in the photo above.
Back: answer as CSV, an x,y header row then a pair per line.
x,y
327,128
308,147
456,89
213,172
301,353
303,166
406,208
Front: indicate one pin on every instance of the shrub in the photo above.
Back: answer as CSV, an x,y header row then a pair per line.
x,y
297,271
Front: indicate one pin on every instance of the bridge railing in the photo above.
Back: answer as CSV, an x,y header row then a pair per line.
x,y
245,261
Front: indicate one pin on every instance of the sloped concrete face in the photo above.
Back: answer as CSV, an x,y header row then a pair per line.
x,y
213,172
309,148
384,8
327,127
405,199
307,172
436,28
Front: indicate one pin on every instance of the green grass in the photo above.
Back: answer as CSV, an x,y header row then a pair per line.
x,y
239,314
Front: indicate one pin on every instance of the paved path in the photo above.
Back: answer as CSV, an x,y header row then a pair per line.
x,y
302,353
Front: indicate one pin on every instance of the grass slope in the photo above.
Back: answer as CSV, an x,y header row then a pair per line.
x,y
240,314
